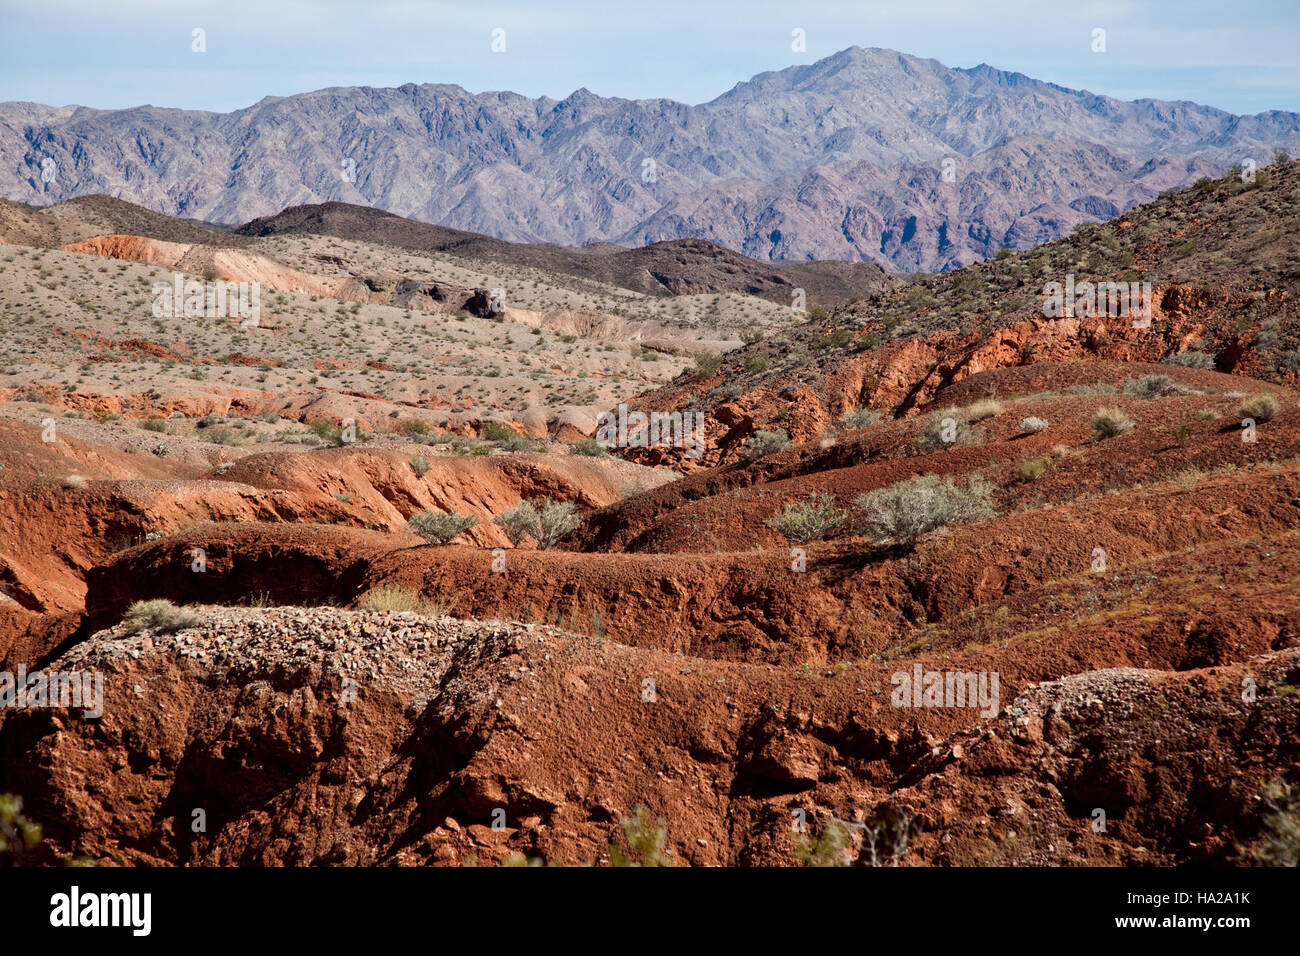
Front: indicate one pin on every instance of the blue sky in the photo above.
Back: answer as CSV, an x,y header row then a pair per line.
x,y
1240,57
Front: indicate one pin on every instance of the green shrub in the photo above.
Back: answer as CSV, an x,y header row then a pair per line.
x,y
545,521
1190,360
707,363
1150,386
588,447
1262,407
1280,825
1031,469
158,615
1109,422
645,842
154,423
906,511
518,443
809,520
420,466
496,431
438,527
860,418
764,442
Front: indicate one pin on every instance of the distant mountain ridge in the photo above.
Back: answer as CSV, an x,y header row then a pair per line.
x,y
865,155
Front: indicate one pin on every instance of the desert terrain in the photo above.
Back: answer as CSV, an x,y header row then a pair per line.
x,y
699,661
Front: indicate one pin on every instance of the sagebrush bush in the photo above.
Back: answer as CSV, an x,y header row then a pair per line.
x,y
545,521
1190,360
860,418
438,527
420,466
154,423
947,428
1150,386
1262,407
1109,422
906,511
984,408
809,520
1031,469
159,615
764,442
588,447
1032,425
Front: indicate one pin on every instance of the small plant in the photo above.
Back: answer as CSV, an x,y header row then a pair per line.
x,y
1108,423
1033,425
588,447
1181,434
809,520
764,442
860,418
154,423
74,481
1150,386
158,615
420,466
400,600
546,522
1262,407
18,835
707,364
645,840
1191,360
983,409
1031,469
496,431
1281,826
518,443
833,847
945,429
439,527
909,509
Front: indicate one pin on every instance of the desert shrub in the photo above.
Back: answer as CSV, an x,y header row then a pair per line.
x,y
154,423
17,834
420,466
984,408
225,435
588,447
413,428
1181,434
1032,425
833,847
764,442
1190,360
860,418
906,511
755,363
946,428
1031,469
1262,407
644,840
439,527
545,521
496,431
1109,422
74,481
707,363
518,443
158,615
400,600
1280,826
1150,386
809,520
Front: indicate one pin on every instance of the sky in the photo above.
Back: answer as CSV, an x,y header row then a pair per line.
x,y
112,54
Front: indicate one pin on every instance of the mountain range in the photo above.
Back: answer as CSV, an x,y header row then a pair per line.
x,y
867,155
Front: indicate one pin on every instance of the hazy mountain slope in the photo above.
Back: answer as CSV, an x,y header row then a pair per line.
x,y
575,170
